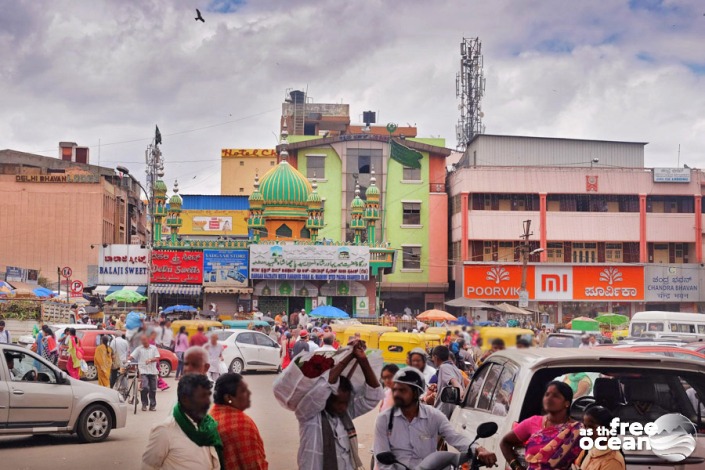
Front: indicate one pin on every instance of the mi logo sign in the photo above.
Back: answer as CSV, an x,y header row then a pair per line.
x,y
553,283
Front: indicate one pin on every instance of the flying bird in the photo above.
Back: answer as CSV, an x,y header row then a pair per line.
x,y
199,17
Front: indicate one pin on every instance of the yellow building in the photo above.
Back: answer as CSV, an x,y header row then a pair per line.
x,y
238,168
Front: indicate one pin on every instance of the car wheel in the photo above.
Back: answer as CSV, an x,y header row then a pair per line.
x,y
91,373
94,424
164,369
237,366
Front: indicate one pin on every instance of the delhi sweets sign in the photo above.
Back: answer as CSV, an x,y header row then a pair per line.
x,y
310,262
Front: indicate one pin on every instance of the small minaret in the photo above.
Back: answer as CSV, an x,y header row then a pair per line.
x,y
255,221
160,190
357,210
371,215
315,211
174,219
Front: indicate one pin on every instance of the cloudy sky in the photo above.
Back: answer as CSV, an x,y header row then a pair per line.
x,y
107,71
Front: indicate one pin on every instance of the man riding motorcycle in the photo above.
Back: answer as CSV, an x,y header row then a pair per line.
x,y
410,429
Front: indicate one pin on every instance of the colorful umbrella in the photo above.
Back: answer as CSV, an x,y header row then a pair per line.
x,y
435,315
328,311
612,319
128,296
179,308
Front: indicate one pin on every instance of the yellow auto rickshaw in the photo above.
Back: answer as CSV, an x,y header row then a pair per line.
x,y
507,334
370,334
396,346
192,326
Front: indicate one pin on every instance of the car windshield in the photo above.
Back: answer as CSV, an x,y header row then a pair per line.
x,y
224,335
560,341
631,394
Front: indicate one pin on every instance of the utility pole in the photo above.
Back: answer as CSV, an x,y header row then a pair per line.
x,y
525,251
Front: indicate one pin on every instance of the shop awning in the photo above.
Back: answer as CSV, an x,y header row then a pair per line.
x,y
227,290
508,308
176,289
104,290
469,303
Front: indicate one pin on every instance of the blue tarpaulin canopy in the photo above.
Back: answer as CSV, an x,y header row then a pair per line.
x,y
179,308
328,311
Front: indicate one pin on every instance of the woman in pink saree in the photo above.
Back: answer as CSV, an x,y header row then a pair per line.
x,y
552,441
73,363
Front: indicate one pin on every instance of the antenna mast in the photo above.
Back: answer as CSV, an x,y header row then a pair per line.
x,y
469,87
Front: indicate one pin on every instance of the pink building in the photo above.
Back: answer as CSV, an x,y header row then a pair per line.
x,y
58,212
591,203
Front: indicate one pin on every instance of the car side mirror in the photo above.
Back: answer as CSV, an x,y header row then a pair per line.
x,y
451,395
63,378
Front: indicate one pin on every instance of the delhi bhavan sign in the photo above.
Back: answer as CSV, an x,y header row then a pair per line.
x,y
310,262
177,267
58,178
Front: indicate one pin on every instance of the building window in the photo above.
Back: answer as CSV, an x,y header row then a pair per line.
x,y
661,253
506,251
613,252
411,257
315,167
242,190
272,163
412,213
305,233
584,252
680,250
363,163
456,202
242,162
412,174
554,253
284,231
487,251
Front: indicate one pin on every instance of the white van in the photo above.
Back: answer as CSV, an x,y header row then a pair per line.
x,y
659,324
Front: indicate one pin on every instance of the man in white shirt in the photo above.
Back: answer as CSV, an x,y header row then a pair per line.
x,y
303,319
325,414
121,348
5,336
147,357
172,445
328,340
166,338
419,359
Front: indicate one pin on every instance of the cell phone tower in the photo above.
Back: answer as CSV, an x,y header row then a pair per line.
x,y
469,87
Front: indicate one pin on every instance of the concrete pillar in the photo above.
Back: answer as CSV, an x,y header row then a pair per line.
x,y
698,228
464,228
643,246
542,228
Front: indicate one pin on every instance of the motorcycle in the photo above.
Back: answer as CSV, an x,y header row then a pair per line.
x,y
444,460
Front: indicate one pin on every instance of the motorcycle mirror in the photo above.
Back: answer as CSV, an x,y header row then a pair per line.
x,y
486,430
386,458
451,395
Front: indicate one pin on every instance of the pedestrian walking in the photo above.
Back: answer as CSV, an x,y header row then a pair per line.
x,y
196,361
188,439
243,448
5,337
302,345
288,342
215,357
180,347
147,356
121,349
103,361
50,348
73,364
198,339
326,431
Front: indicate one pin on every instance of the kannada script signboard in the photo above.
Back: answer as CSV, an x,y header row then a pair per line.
x,y
177,267
126,265
310,262
666,283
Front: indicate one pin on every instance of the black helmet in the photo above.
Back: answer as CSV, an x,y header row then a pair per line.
x,y
411,376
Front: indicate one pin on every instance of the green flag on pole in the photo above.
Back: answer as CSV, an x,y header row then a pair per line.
x,y
404,155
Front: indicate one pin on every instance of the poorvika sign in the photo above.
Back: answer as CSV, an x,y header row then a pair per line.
x,y
310,262
602,283
177,267
126,265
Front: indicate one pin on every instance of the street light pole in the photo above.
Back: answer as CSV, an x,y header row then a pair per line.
x,y
524,249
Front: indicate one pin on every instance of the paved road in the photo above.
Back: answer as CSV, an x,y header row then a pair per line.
x,y
124,447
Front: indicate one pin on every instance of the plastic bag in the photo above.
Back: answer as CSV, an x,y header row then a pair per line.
x,y
132,321
84,366
223,369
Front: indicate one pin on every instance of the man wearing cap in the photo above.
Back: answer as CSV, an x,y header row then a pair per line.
x,y
303,319
410,428
302,345
418,359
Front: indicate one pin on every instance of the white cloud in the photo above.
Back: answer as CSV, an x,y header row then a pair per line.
x,y
111,70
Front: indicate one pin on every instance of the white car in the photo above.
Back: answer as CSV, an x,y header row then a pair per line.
x,y
509,387
38,398
247,350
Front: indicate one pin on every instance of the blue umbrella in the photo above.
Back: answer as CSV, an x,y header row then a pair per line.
x,y
179,308
328,311
463,321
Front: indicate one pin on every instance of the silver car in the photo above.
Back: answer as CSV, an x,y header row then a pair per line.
x,y
38,398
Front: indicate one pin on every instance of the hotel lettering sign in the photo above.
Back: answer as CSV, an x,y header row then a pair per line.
x,y
58,178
